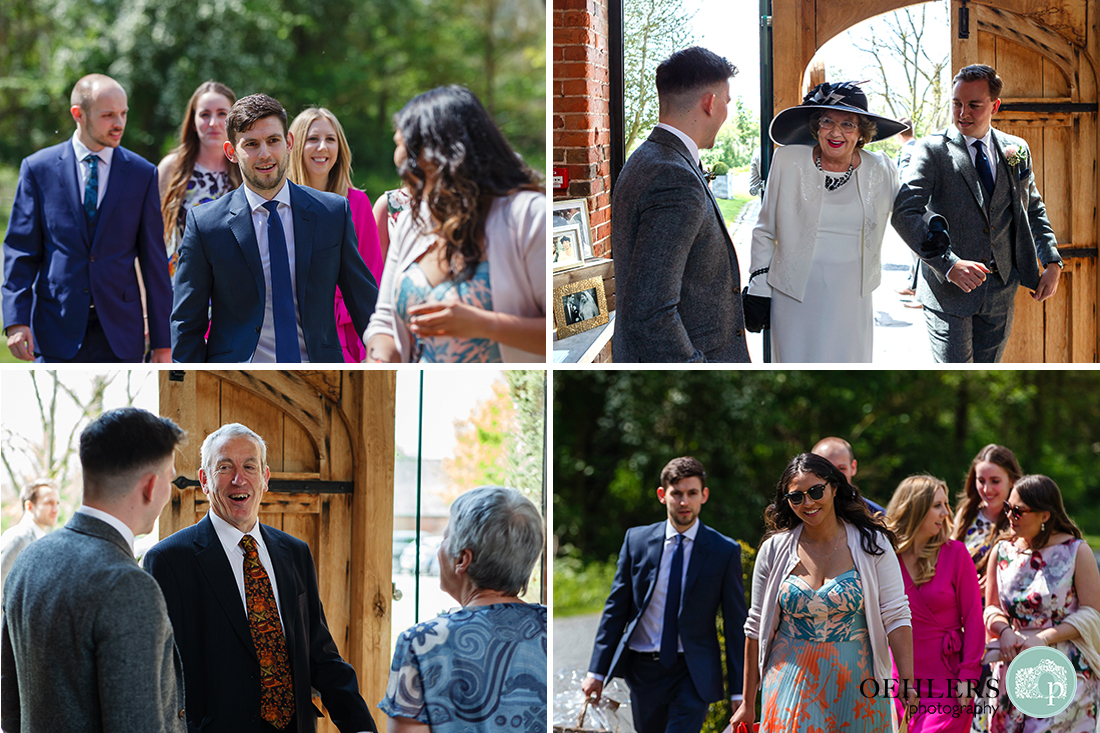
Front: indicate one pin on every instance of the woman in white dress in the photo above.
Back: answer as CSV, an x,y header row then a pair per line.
x,y
816,248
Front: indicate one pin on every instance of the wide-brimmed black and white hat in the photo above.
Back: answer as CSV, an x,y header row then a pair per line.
x,y
792,125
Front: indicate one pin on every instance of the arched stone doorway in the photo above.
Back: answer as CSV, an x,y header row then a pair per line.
x,y
1045,51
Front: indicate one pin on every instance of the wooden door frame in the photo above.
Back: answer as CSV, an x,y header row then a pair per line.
x,y
804,26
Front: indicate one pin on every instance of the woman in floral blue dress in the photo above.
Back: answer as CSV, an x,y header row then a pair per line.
x,y
482,667
1043,589
980,516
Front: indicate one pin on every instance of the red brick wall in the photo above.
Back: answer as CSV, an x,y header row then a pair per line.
x,y
582,126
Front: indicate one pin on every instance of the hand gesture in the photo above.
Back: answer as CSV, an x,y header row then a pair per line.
x,y
21,342
1048,283
453,319
968,274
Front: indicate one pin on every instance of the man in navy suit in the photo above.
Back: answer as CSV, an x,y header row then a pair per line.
x,y
84,211
269,281
658,628
249,667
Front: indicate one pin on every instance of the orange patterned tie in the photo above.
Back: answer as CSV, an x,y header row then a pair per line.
x,y
277,696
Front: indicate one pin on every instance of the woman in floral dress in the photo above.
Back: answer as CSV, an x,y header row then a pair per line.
x,y
1043,589
980,516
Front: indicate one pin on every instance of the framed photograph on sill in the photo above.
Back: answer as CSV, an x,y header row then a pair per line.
x,y
569,214
580,306
566,251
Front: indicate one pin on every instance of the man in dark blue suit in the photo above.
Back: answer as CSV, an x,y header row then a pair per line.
x,y
243,602
269,280
84,211
658,629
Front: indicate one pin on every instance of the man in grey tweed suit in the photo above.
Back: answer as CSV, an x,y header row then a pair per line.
x,y
86,641
969,207
677,282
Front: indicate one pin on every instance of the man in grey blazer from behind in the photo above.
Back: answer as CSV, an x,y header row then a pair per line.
x,y
968,206
677,282
85,636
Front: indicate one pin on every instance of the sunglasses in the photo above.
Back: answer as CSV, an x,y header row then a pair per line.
x,y
1015,511
815,493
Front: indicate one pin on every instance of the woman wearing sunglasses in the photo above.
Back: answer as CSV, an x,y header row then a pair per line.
x,y
828,608
942,587
1043,589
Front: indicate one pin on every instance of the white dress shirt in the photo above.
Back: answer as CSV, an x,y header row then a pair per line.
x,y
688,142
987,143
84,168
230,537
111,519
647,633
265,349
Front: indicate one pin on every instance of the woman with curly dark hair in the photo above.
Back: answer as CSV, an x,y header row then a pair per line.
x,y
828,609
465,274
196,171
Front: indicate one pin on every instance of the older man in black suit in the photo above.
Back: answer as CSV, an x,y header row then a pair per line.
x,y
677,280
243,600
86,641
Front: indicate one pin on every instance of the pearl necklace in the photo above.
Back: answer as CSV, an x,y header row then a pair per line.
x,y
833,183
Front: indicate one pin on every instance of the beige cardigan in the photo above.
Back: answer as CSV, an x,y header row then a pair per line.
x,y
884,599
786,231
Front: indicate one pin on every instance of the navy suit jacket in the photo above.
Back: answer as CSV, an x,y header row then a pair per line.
x,y
220,668
219,265
54,270
713,580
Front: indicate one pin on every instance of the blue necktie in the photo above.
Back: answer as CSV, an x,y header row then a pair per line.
x,y
670,631
282,292
91,189
985,173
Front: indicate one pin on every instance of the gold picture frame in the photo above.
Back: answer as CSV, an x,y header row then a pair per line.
x,y
574,306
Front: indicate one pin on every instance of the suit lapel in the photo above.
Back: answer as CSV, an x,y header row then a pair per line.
x,y
116,184
240,223
211,557
305,221
70,183
964,166
282,565
667,138
655,546
999,143
698,560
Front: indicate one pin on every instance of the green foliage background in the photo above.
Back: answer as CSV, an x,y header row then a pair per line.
x,y
363,59
615,430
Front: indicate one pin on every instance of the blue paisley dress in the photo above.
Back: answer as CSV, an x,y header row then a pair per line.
x,y
481,668
414,288
820,655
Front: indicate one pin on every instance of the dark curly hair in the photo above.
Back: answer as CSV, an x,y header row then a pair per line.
x,y
847,503
469,162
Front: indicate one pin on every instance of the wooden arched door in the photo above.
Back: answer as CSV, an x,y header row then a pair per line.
x,y
1046,51
330,446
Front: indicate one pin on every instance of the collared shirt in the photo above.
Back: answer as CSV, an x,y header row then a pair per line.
x,y
687,141
28,521
647,633
84,168
265,349
230,537
111,519
990,154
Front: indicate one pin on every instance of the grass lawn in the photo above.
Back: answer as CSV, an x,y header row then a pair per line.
x,y
731,208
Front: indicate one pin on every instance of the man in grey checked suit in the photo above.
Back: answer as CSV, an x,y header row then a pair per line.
x,y
85,636
969,207
677,280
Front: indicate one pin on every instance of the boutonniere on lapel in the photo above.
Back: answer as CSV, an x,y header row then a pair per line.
x,y
1016,157
708,174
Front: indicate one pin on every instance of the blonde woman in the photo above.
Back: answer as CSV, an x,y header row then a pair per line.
x,y
321,159
944,600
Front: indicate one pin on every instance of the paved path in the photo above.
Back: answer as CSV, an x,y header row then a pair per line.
x,y
899,335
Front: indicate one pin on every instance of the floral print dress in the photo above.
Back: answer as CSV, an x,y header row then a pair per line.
x,y
204,186
1036,591
415,289
820,654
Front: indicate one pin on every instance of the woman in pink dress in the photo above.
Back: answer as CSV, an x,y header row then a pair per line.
x,y
320,158
945,603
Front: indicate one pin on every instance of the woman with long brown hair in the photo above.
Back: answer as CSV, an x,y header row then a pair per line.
x,y
321,159
196,171
944,600
465,275
980,516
